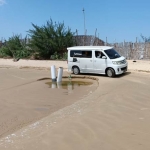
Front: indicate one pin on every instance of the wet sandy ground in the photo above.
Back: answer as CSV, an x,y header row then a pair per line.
x,y
23,99
114,116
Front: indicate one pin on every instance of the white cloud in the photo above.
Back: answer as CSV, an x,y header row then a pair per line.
x,y
2,2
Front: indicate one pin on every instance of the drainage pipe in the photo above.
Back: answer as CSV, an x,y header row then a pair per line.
x,y
60,73
53,73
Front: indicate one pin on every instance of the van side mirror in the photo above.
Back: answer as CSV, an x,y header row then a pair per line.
x,y
75,59
104,57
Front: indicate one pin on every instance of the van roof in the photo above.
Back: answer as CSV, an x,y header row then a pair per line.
x,y
89,48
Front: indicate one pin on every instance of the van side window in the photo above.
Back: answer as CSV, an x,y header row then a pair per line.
x,y
99,54
87,54
81,54
75,53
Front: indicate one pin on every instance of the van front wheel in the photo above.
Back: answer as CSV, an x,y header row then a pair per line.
x,y
76,70
110,72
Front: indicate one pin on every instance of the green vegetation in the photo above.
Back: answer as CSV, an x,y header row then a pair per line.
x,y
15,47
49,41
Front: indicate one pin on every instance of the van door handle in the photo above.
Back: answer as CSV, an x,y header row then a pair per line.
x,y
91,60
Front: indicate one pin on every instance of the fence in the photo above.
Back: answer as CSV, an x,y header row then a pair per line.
x,y
129,50
133,51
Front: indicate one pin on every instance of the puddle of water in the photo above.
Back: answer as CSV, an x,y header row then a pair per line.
x,y
68,84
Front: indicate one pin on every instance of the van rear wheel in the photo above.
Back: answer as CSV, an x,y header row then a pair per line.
x,y
110,72
76,70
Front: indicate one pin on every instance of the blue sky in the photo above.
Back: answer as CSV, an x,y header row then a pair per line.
x,y
118,20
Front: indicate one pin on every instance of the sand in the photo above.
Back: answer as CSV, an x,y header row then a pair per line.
x,y
139,65
111,116
26,98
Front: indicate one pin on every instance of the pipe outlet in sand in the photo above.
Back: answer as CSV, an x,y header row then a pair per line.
x,y
53,73
60,74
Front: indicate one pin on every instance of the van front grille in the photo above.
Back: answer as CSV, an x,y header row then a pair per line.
x,y
124,68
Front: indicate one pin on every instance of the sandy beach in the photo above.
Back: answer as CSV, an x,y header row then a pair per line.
x,y
110,114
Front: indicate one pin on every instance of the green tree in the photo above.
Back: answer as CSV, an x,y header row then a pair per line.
x,y
16,47
50,38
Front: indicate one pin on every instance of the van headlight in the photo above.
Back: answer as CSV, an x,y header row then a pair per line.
x,y
119,62
116,62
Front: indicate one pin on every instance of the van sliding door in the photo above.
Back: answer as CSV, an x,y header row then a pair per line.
x,y
86,62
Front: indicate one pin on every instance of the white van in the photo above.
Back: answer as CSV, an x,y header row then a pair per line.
x,y
86,59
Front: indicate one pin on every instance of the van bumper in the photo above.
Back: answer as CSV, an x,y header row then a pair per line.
x,y
121,69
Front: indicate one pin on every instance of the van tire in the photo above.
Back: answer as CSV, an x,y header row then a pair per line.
x,y
110,72
76,70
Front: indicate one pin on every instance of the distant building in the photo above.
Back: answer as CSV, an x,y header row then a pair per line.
x,y
87,40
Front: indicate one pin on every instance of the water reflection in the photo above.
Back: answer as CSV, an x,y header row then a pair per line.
x,y
69,85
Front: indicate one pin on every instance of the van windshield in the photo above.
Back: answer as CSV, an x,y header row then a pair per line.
x,y
112,54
